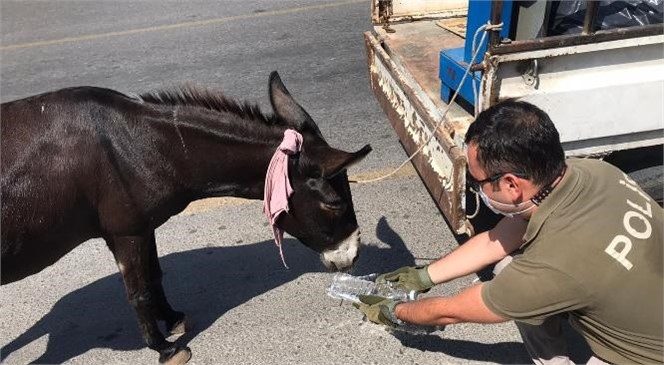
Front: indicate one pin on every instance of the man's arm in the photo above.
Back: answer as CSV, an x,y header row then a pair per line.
x,y
467,306
480,251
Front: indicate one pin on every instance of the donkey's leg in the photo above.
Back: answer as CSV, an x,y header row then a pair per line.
x,y
132,254
175,321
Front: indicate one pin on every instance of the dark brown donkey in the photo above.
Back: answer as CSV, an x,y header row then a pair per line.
x,y
87,162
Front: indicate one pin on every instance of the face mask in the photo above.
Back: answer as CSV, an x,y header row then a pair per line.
x,y
490,204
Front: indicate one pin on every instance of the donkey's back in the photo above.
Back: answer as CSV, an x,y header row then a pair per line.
x,y
53,153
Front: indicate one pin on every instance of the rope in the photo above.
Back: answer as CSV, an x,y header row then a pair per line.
x,y
477,207
486,27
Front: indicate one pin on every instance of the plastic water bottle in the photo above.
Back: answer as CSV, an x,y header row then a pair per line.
x,y
349,287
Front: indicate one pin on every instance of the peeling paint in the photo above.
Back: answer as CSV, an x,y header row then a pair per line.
x,y
417,129
440,162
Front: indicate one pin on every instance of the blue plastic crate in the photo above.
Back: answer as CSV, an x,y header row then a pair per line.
x,y
453,62
452,67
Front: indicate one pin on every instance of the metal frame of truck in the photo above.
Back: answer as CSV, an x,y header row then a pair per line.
x,y
603,89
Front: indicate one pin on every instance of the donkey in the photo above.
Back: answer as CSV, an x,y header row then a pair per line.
x,y
86,162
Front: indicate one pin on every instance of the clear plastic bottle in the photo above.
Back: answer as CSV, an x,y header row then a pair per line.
x,y
349,287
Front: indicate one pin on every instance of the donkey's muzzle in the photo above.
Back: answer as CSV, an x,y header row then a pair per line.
x,y
344,254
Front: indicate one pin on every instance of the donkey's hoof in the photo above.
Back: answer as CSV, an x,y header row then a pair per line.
x,y
178,356
182,326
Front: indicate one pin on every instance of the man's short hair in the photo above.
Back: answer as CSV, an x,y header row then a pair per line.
x,y
516,136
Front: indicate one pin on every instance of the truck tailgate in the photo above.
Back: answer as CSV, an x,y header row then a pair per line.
x,y
403,68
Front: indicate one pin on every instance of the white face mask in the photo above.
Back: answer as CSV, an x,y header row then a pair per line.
x,y
492,204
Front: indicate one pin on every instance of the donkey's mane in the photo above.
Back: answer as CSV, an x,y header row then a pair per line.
x,y
189,95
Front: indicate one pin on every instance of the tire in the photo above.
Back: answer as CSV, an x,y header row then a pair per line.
x,y
645,166
651,180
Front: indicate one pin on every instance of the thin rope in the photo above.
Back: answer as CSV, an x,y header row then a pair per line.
x,y
486,27
477,207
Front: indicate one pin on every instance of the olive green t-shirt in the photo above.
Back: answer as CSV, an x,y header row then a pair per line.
x,y
593,249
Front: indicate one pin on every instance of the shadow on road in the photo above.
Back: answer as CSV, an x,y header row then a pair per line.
x,y
501,353
206,283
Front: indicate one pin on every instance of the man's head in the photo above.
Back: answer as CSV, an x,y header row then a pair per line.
x,y
514,147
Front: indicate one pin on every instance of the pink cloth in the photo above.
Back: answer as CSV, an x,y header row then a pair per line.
x,y
277,185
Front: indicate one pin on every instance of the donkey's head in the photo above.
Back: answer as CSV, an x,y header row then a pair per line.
x,y
321,211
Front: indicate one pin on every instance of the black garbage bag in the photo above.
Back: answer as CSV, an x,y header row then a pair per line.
x,y
567,16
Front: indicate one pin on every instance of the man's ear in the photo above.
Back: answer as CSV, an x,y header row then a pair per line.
x,y
513,184
335,161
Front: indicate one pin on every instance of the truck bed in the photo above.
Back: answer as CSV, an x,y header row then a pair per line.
x,y
416,46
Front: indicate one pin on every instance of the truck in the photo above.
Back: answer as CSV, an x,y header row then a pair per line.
x,y
597,69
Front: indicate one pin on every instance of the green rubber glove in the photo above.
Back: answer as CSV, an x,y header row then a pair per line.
x,y
379,310
411,278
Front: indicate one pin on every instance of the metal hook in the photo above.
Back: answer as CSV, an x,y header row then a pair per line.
x,y
531,76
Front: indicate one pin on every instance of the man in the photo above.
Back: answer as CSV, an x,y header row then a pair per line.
x,y
586,244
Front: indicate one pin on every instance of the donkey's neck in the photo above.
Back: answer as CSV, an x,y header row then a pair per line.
x,y
220,154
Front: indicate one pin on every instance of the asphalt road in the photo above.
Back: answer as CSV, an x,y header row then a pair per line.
x,y
221,266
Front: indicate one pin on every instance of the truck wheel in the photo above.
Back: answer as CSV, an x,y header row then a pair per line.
x,y
651,180
645,166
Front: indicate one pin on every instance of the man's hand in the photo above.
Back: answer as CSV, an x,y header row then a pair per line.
x,y
411,278
379,310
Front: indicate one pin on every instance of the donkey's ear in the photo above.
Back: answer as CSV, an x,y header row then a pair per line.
x,y
336,161
286,108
